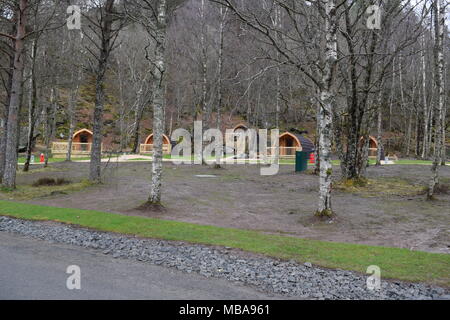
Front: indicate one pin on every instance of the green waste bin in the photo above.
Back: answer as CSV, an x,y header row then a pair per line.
x,y
301,161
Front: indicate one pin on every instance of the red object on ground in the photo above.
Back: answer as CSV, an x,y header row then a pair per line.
x,y
312,159
42,159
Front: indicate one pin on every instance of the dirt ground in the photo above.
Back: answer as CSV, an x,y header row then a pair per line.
x,y
240,197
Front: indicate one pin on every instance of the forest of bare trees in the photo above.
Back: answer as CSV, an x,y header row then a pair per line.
x,y
341,70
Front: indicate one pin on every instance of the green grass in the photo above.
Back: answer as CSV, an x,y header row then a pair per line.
x,y
395,263
412,162
139,159
21,160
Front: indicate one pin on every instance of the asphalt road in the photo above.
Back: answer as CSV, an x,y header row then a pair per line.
x,y
34,269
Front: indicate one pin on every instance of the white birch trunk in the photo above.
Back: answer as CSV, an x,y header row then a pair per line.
x,y
158,103
439,23
325,112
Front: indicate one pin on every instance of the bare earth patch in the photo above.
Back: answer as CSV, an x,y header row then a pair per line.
x,y
390,211
149,208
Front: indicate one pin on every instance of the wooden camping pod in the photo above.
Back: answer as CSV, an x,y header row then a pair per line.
x,y
373,146
81,145
147,147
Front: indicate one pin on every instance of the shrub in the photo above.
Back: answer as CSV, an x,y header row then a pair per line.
x,y
61,181
438,189
50,182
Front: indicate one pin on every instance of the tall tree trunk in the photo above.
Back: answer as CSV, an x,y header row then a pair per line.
x,y
3,132
158,103
410,118
325,113
223,14
380,123
417,132
122,111
138,114
50,115
364,163
4,118
9,175
402,101
72,113
426,119
358,101
391,102
96,151
276,21
204,61
317,137
431,116
32,101
439,23
355,116
443,141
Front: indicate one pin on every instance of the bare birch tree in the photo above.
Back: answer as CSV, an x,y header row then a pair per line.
x,y
326,108
158,102
439,26
154,15
318,65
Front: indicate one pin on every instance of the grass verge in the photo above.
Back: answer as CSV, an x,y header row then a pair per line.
x,y
395,263
21,160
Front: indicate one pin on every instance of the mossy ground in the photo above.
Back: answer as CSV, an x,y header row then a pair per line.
x,y
29,192
376,187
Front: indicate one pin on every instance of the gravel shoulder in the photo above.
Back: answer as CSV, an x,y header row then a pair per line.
x,y
36,269
269,276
